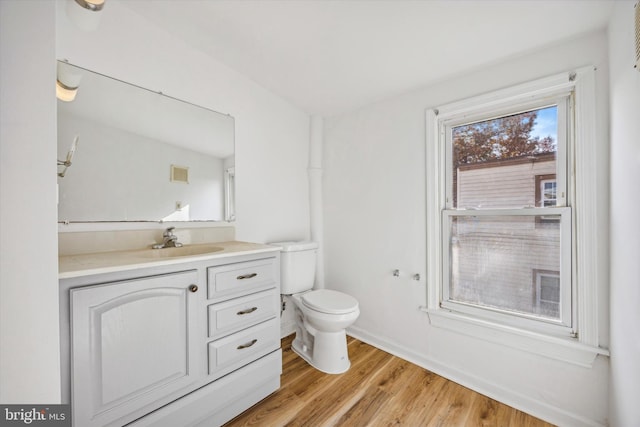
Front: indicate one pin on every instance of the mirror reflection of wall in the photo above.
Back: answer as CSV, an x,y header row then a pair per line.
x,y
143,156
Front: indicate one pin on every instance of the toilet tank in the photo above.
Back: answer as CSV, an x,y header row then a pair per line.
x,y
297,266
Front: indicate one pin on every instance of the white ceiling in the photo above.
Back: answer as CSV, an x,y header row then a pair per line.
x,y
331,56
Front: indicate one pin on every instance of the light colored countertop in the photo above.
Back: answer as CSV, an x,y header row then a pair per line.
x,y
108,262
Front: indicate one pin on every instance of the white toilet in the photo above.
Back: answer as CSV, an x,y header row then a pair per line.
x,y
321,315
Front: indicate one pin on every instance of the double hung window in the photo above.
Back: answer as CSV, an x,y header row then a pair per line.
x,y
492,236
513,220
504,197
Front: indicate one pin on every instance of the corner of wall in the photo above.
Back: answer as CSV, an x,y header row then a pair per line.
x,y
624,205
29,326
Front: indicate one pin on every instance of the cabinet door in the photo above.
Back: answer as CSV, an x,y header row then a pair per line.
x,y
133,347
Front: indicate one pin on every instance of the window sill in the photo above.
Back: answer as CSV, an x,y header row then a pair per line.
x,y
564,349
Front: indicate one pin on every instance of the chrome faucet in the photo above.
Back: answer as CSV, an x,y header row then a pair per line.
x,y
169,240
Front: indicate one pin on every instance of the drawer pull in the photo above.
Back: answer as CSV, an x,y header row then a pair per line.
x,y
247,311
247,276
247,345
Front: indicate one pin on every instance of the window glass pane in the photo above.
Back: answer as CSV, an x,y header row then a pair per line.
x,y
509,263
548,196
496,162
549,289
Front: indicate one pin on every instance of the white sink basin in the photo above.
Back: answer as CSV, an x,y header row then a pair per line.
x,y
189,250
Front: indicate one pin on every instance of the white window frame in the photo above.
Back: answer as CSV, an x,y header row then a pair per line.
x,y
479,113
582,346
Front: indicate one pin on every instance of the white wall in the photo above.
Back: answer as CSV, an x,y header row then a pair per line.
x,y
271,136
374,210
625,227
29,348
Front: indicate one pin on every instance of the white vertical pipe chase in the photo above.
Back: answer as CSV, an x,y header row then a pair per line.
x,y
315,193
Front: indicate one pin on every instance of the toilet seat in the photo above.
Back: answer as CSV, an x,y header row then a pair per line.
x,y
330,302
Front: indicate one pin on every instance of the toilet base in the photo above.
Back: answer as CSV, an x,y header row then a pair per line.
x,y
327,353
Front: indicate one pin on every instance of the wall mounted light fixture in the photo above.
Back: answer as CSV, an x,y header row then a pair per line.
x,y
64,92
92,5
67,83
84,13
67,162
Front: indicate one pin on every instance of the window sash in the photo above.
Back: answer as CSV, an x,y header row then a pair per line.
x,y
561,100
564,325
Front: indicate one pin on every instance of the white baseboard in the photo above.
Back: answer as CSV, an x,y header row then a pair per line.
x,y
542,410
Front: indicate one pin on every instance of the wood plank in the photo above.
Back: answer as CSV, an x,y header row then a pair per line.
x,y
455,402
277,409
378,390
418,402
337,394
365,410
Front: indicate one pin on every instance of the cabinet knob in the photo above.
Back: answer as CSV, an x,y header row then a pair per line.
x,y
193,288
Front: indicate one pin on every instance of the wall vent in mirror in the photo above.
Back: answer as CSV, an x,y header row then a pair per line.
x,y
131,136
179,174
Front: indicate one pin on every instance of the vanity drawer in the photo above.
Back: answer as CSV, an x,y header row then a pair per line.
x,y
240,313
243,277
243,347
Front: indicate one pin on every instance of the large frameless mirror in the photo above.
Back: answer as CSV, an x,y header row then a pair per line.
x,y
126,153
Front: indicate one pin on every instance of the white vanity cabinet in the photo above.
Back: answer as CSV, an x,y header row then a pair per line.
x,y
194,343
134,345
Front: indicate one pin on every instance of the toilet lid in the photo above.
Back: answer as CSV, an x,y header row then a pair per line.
x,y
328,301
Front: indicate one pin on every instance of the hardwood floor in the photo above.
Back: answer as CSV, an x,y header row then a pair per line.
x,y
379,390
